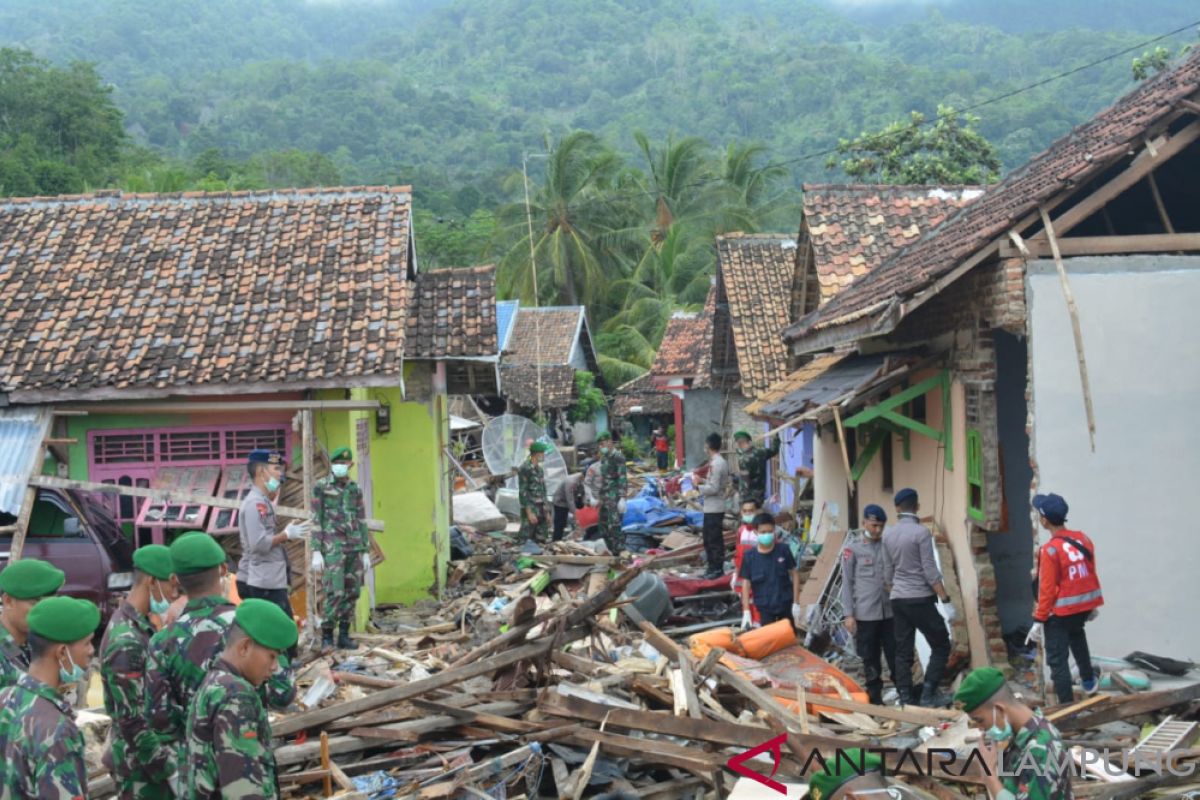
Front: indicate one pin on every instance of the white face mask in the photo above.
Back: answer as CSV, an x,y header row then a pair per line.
x,y
339,470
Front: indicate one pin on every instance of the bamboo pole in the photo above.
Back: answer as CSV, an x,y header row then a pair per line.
x,y
841,432
1076,330
310,583
18,542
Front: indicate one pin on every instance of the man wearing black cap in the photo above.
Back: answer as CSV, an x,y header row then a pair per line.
x,y
865,602
1068,596
911,574
263,570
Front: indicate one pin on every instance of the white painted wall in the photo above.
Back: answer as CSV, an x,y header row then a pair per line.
x,y
1135,496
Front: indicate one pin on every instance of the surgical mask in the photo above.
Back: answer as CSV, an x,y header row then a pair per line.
x,y
340,470
766,539
75,675
603,451
272,484
747,518
996,733
159,607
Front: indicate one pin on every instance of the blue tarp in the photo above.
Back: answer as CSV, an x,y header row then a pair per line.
x,y
647,510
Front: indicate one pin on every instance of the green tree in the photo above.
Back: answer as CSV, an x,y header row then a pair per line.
x,y
949,151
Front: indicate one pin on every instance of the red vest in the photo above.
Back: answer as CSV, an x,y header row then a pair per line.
x,y
1067,579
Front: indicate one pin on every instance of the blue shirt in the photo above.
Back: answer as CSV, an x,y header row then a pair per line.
x,y
770,577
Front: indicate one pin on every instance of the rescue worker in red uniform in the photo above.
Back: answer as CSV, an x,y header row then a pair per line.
x,y
1068,597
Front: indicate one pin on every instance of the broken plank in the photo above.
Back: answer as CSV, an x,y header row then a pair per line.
x,y
497,722
709,662
687,683
649,689
912,714
1062,713
412,730
1132,706
649,751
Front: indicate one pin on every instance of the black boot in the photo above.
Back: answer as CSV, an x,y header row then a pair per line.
x,y
344,641
327,638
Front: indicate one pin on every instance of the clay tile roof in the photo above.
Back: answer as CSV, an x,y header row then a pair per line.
x,y
854,228
1073,160
453,313
686,347
755,281
519,383
557,327
641,393
153,293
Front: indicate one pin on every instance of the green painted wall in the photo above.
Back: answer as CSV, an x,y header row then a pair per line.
x,y
78,427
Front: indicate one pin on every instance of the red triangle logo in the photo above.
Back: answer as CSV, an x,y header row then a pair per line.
x,y
775,747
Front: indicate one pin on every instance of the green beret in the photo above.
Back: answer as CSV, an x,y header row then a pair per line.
x,y
267,624
842,768
604,436
539,447
154,560
64,619
340,453
30,579
977,687
743,435
195,552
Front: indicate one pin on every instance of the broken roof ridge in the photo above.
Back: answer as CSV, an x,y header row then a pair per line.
x,y
878,188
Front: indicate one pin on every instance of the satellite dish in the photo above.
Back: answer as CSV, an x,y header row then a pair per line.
x,y
506,441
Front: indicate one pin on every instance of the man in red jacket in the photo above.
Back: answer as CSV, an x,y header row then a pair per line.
x,y
1068,596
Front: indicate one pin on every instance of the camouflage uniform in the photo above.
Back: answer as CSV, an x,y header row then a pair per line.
x,y
123,674
180,655
531,479
341,538
612,492
228,749
752,468
41,748
14,659
1037,742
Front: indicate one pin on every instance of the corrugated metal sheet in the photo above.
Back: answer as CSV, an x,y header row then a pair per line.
x,y
506,312
816,387
22,431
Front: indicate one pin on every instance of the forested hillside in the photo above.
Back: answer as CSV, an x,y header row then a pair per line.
x,y
651,124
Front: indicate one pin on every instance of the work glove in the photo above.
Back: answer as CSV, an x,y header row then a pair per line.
x,y
733,581
1035,634
796,613
621,505
1092,616
366,561
951,612
746,620
318,562
297,530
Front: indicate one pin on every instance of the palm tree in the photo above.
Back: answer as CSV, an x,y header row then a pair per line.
x,y
681,179
582,226
752,187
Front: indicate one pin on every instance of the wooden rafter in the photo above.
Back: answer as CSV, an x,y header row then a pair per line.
x,y
886,411
1109,245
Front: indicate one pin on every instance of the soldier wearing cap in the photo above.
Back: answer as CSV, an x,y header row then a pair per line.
x,y
22,584
123,670
614,476
752,467
1022,751
911,574
1068,597
41,750
263,570
868,612
183,652
531,493
340,546
857,774
228,735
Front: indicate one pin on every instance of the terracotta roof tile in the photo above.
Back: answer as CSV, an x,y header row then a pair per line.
x,y
641,392
555,327
755,281
117,291
519,383
453,313
1074,159
686,347
854,228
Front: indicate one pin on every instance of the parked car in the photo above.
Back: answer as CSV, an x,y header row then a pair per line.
x,y
79,535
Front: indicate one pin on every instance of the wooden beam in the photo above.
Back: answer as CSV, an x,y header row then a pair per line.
x,y
1158,201
1141,166
1114,245
648,751
1076,330
1133,706
22,526
307,453
687,683
1190,106
841,433
911,714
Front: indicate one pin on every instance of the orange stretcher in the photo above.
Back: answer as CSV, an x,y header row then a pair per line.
x,y
771,655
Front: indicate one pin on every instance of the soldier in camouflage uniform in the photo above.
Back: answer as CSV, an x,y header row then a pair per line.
x,y
228,750
752,467
123,670
531,480
41,750
1035,765
340,546
182,653
614,478
22,584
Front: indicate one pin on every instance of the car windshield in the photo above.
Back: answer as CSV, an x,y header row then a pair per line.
x,y
107,529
